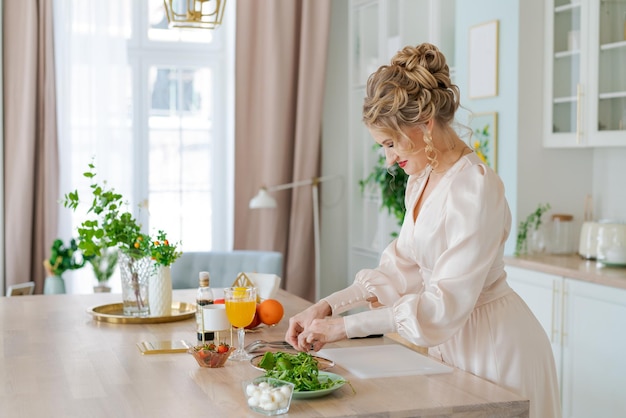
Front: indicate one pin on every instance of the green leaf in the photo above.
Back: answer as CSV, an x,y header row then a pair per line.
x,y
391,183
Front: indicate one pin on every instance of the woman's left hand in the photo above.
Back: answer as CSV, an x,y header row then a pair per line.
x,y
320,332
298,323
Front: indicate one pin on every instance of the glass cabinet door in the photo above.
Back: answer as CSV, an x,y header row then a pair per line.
x,y
567,70
366,55
611,76
365,29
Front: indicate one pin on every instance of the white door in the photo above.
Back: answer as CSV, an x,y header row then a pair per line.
x,y
594,351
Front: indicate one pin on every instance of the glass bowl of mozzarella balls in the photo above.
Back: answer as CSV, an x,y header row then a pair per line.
x,y
267,395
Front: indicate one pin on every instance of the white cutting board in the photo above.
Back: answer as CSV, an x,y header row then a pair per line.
x,y
383,361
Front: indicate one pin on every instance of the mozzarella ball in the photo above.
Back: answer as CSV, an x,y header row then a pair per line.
x,y
286,390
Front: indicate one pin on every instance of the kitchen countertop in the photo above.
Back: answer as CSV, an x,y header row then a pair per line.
x,y
572,266
56,361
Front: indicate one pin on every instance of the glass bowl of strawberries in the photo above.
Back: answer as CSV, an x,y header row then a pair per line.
x,y
211,355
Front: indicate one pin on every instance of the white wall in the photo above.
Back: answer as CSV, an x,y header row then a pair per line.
x,y
505,103
2,277
561,177
609,183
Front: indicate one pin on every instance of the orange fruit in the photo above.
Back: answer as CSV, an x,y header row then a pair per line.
x,y
270,311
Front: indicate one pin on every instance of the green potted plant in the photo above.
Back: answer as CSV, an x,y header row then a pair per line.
x,y
109,225
528,229
62,258
162,251
103,266
391,182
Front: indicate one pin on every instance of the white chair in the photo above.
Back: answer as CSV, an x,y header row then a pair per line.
x,y
21,289
267,284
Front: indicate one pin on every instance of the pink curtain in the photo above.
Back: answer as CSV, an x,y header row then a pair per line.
x,y
30,140
281,51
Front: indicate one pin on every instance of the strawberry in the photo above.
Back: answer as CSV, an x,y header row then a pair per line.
x,y
222,348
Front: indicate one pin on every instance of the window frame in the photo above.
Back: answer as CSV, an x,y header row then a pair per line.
x,y
219,56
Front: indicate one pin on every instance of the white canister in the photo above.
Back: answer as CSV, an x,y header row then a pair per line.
x,y
612,243
588,244
215,320
562,234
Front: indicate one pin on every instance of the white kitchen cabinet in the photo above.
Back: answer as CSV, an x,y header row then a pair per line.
x,y
586,323
378,29
585,94
594,348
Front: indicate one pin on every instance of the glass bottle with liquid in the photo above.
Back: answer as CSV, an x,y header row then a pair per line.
x,y
204,297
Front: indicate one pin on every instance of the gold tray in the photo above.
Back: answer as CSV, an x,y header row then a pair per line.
x,y
114,313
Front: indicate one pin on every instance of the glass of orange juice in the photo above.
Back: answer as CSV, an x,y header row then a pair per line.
x,y
240,308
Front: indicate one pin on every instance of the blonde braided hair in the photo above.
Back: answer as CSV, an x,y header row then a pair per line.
x,y
413,89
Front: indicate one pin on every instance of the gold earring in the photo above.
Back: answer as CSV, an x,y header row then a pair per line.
x,y
428,139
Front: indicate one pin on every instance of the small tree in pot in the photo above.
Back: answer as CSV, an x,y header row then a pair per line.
x,y
110,226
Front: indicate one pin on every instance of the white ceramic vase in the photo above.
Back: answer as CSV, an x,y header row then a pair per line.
x,y
54,285
160,291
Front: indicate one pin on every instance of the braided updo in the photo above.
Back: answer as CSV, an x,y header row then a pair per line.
x,y
414,88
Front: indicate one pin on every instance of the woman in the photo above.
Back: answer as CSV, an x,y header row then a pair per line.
x,y
441,283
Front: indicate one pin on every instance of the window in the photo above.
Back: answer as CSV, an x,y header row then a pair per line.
x,y
152,106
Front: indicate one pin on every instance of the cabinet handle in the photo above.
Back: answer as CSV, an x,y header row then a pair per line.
x,y
552,328
579,111
563,298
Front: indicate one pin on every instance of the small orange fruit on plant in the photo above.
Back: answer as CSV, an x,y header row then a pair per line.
x,y
270,311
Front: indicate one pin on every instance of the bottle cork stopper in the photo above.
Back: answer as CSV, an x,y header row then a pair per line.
x,y
204,278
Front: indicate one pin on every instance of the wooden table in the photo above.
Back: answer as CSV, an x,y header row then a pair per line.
x,y
57,361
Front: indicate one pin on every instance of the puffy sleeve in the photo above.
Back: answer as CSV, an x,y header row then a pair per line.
x,y
386,282
474,228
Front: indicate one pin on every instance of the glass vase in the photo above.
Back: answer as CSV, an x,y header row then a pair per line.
x,y
135,274
537,241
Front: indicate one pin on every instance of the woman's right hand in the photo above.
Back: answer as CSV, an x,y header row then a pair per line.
x,y
301,321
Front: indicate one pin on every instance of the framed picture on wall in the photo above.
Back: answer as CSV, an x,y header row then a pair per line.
x,y
484,138
483,60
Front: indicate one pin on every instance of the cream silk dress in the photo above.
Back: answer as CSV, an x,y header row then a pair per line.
x,y
442,285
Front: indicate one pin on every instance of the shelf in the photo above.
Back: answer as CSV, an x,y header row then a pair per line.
x,y
613,45
567,7
559,100
567,54
614,95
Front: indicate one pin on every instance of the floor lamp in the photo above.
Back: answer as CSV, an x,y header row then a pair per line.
x,y
263,199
